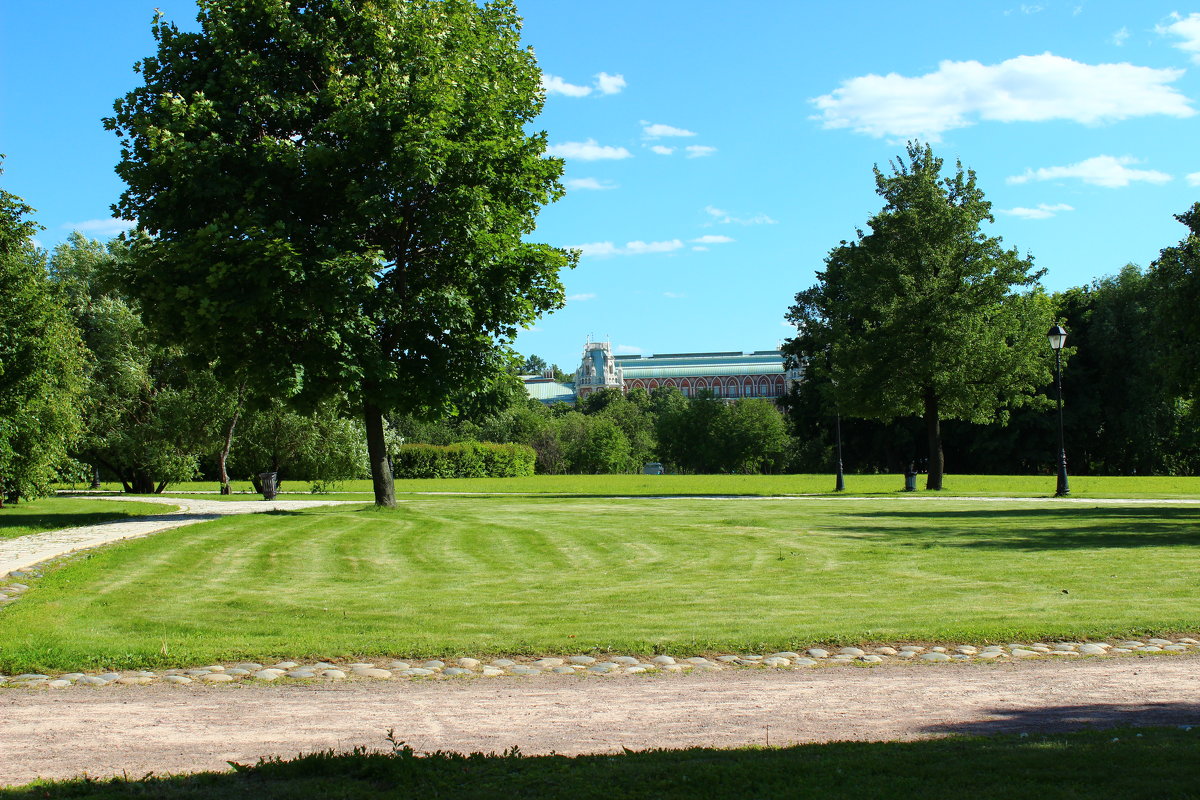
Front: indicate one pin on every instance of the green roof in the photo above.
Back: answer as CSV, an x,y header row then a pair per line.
x,y
550,391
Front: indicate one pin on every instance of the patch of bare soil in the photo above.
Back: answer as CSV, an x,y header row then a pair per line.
x,y
171,729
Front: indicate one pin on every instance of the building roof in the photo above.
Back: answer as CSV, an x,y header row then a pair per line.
x,y
549,391
682,365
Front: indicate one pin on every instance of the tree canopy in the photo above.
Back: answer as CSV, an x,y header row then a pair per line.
x,y
41,362
338,193
925,314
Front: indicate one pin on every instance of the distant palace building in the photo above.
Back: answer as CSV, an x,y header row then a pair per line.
x,y
725,375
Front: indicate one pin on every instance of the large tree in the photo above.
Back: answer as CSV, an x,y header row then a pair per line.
x,y
338,192
41,363
925,314
1175,276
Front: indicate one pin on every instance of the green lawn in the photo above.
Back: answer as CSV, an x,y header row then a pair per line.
x,y
517,575
764,485
52,513
1125,763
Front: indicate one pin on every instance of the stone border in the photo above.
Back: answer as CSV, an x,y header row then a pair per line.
x,y
328,671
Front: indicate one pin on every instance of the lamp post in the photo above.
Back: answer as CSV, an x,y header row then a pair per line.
x,y
1058,337
840,486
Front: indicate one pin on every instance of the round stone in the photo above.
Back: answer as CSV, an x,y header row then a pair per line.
x,y
196,673
91,680
399,665
1175,648
960,656
217,677
585,660
966,650
1039,648
1159,642
871,659
237,672
803,661
360,665
249,666
673,667
911,648
333,674
471,663
1150,648
58,684
219,668
302,674
373,672
907,654
851,651
734,660
523,670
433,664
1092,650
177,679
1120,650
508,662
628,661
817,652
1186,640
776,661
419,672
784,654
267,674
452,671
1020,652
602,669
636,670
136,680
938,649
32,676
1131,644
320,665
562,670
934,657
662,660
493,672
698,661
548,663
990,654
885,651
843,657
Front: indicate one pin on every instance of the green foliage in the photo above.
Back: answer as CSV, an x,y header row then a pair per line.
x,y
41,362
1175,276
345,209
151,416
320,446
925,315
463,460
708,435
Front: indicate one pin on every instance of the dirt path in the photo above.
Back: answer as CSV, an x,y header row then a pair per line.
x,y
138,729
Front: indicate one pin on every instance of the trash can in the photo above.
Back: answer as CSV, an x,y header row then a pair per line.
x,y
270,483
910,479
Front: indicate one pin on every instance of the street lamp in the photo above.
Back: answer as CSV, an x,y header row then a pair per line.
x,y
1058,337
840,485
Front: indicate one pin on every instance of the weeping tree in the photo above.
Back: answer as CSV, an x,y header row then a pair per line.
x,y
925,315
337,194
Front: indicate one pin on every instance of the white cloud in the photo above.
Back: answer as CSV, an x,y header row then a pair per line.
x,y
635,248
1030,9
1120,37
556,85
662,150
579,298
101,227
610,84
589,183
675,295
1186,28
699,150
628,350
1098,171
1043,211
605,84
658,130
723,217
1193,179
587,151
1022,89
712,239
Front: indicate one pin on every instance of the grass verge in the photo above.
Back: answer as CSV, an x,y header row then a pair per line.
x,y
52,513
452,576
1126,763
759,485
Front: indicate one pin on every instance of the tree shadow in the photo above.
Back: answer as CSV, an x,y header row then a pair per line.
x,y
1059,719
1040,528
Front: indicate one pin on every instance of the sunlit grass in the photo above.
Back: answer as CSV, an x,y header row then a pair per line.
x,y
465,575
52,513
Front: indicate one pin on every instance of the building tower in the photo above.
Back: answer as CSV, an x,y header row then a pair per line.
x,y
598,370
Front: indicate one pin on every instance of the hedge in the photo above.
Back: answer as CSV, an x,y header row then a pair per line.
x,y
463,460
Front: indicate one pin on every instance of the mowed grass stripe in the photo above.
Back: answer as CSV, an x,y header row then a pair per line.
x,y
455,576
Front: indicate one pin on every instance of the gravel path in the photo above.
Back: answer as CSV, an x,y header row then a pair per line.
x,y
25,551
163,728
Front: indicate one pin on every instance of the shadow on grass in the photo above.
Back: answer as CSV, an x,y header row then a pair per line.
x,y
1158,763
1041,528
1059,719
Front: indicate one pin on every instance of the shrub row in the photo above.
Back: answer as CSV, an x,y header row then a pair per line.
x,y
463,460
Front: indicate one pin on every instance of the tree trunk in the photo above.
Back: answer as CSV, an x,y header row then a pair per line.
x,y
1,491
141,482
381,470
933,428
223,474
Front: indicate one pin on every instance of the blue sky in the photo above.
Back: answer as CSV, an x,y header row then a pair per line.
x,y
717,151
